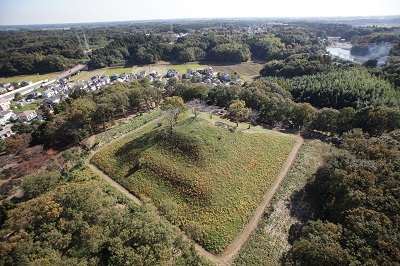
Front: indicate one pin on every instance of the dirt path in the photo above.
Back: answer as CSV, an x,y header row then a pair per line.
x,y
234,247
106,177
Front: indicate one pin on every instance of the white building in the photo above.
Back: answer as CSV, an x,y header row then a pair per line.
x,y
4,104
5,117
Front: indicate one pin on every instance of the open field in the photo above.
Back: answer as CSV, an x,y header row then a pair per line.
x,y
87,75
269,241
33,78
118,70
205,179
247,70
162,67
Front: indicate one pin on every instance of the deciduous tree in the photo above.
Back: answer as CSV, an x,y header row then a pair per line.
x,y
239,112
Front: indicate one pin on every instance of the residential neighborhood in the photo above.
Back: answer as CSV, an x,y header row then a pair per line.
x,y
57,92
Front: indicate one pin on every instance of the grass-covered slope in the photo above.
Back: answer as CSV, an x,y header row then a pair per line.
x,y
206,179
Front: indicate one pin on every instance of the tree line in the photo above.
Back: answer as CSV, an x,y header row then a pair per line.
x,y
356,206
67,216
40,51
84,113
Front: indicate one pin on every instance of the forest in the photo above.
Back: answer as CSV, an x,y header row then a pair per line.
x,y
33,51
355,196
68,216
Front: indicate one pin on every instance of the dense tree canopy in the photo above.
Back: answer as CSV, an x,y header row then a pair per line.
x,y
355,88
357,201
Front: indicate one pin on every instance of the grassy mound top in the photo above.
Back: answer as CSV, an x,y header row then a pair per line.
x,y
206,179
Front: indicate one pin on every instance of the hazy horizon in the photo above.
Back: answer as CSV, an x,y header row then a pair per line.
x,y
25,12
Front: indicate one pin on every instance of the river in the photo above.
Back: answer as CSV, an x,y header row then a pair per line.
x,y
344,53
379,52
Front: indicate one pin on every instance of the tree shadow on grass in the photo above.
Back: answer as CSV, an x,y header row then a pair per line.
x,y
132,149
303,205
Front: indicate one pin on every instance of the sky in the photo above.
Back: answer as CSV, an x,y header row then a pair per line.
x,y
27,12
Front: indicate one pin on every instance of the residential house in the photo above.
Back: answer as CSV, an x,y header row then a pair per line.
x,y
6,133
226,77
200,70
40,114
197,75
8,86
4,104
27,115
114,77
123,76
171,72
187,76
69,85
237,81
31,96
160,79
48,93
52,100
5,117
208,81
178,75
105,78
25,83
150,78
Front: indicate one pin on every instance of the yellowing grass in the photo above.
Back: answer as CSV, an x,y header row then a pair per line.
x,y
162,67
205,179
33,78
118,70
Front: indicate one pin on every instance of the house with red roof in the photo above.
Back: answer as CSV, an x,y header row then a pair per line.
x,y
27,115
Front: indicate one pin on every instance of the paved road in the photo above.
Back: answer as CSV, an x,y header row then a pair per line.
x,y
29,88
23,90
71,71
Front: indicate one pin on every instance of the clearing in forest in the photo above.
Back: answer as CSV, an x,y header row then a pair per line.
x,y
206,179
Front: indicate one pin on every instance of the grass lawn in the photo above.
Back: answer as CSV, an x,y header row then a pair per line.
x,y
87,75
31,106
247,70
206,179
162,67
33,78
118,70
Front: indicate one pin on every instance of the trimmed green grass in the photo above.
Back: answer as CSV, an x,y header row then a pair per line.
x,y
269,241
32,106
203,178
